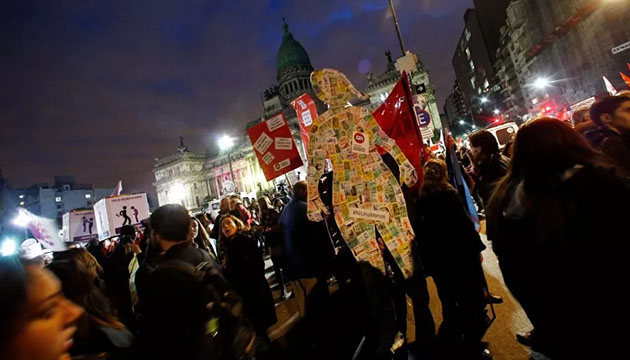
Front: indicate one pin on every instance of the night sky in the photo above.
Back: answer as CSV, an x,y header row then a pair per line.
x,y
98,89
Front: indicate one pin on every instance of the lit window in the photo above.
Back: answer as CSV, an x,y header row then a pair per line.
x,y
472,65
58,199
468,53
88,196
21,203
473,82
21,196
486,84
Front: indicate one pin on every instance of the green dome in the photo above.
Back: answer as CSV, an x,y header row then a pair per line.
x,y
291,53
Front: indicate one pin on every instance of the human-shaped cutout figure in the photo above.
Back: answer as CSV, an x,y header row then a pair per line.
x,y
123,213
135,214
90,225
366,195
84,221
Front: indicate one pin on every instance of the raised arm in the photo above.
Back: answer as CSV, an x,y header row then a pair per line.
x,y
316,164
407,171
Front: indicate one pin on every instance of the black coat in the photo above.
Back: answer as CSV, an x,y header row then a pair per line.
x,y
562,249
488,174
446,237
245,270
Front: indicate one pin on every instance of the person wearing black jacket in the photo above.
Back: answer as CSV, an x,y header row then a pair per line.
x,y
450,251
489,166
558,224
170,304
244,268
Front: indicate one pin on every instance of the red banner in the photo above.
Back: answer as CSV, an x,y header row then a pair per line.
x,y
274,147
306,112
396,119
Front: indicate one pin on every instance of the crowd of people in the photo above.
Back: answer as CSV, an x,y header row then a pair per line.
x,y
187,287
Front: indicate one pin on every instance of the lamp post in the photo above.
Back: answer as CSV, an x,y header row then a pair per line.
x,y
225,144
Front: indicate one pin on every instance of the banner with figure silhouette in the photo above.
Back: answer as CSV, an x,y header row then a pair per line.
x,y
112,213
79,225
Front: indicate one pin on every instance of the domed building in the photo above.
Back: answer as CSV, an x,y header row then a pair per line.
x,y
294,67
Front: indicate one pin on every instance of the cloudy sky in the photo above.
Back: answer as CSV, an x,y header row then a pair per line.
x,y
98,89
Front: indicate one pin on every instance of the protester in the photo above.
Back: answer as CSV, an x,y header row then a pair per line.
x,y
612,115
99,330
224,209
489,165
450,250
37,322
244,268
278,204
200,238
172,324
306,246
559,201
239,210
273,240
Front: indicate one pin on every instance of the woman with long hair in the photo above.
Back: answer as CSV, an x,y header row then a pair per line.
x,y
99,330
559,202
37,322
244,268
200,238
450,252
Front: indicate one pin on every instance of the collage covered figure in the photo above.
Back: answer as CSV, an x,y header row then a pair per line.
x,y
366,195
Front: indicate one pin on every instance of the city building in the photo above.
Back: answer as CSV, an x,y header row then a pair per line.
x,y
560,50
49,201
192,179
473,61
455,111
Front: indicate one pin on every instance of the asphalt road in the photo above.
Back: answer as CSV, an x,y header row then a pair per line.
x,y
501,336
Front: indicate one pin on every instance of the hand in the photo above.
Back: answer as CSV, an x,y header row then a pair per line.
x,y
408,174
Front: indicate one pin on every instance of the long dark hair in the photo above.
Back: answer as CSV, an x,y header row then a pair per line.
x,y
78,285
543,149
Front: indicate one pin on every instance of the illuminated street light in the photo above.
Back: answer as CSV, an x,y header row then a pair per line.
x,y
496,111
461,122
484,100
225,143
22,219
8,247
541,83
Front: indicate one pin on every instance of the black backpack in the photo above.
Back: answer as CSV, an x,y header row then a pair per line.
x,y
228,335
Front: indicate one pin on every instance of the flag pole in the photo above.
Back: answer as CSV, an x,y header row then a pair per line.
x,y
413,113
400,40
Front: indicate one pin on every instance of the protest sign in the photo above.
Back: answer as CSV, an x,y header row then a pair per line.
x,y
274,147
112,213
79,225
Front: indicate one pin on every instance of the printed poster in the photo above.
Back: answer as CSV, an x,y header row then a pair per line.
x,y
274,147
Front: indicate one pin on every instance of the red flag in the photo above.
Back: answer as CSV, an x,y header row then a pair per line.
x,y
396,118
625,77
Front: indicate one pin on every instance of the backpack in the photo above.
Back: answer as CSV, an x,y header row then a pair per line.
x,y
228,335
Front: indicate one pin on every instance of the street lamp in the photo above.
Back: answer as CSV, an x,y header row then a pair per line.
x,y
22,220
484,100
225,144
541,83
496,111
461,122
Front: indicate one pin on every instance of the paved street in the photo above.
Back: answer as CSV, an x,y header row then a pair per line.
x,y
501,336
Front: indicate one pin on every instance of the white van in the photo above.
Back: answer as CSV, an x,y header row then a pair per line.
x,y
503,132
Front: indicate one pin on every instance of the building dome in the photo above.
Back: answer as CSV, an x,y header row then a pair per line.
x,y
291,53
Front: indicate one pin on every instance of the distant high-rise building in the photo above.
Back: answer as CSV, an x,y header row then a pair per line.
x,y
473,60
560,50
